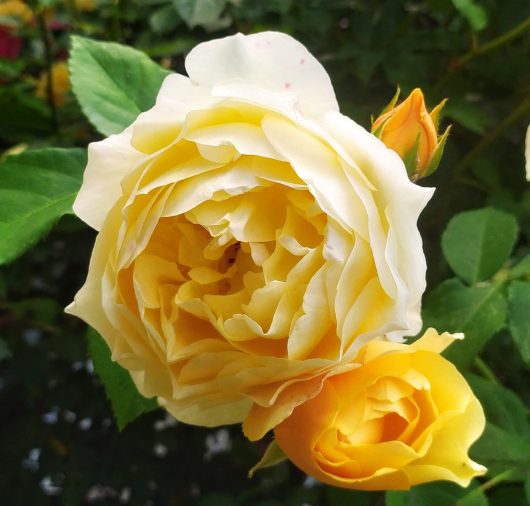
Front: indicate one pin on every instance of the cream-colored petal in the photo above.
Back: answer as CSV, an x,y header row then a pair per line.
x,y
269,60
318,166
399,257
109,161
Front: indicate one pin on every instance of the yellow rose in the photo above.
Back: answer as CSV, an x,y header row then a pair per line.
x,y
411,131
16,9
60,83
405,416
251,237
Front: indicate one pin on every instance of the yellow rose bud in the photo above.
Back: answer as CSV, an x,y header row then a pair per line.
x,y
251,237
16,9
404,416
411,132
60,84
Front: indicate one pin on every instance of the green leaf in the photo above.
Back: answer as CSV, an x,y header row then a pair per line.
x,y
23,115
519,316
164,19
478,312
37,187
273,455
501,406
477,243
474,13
527,487
437,494
500,450
522,269
473,116
199,12
112,83
127,403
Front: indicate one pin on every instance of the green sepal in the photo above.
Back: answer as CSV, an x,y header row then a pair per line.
x,y
437,154
273,455
392,103
387,108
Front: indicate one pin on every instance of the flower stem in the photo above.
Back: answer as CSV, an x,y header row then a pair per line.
x,y
520,111
503,39
485,370
479,50
48,56
485,486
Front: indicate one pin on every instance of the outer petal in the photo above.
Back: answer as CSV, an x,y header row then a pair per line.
x,y
109,161
400,261
269,60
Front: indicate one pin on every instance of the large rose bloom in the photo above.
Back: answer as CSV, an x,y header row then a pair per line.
x,y
251,237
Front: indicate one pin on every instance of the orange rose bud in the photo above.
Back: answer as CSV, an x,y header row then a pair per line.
x,y
411,131
404,416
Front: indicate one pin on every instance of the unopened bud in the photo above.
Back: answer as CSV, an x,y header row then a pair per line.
x,y
412,132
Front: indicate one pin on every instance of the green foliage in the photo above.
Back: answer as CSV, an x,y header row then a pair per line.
x,y
475,14
477,243
437,494
36,189
127,404
500,450
200,12
502,406
479,312
113,83
519,316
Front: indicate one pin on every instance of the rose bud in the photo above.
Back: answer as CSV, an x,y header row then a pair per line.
x,y
411,132
404,416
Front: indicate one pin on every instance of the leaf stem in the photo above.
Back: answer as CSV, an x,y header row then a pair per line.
x,y
486,486
501,40
485,370
47,41
479,50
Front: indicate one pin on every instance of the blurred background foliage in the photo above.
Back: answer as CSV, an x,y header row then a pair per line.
x,y
59,443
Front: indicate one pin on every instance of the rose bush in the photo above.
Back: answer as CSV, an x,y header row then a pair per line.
x,y
251,237
405,416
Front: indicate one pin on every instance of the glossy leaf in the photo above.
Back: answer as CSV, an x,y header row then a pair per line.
x,y
475,13
127,403
501,406
478,312
437,494
37,187
477,243
521,269
500,450
519,316
112,83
